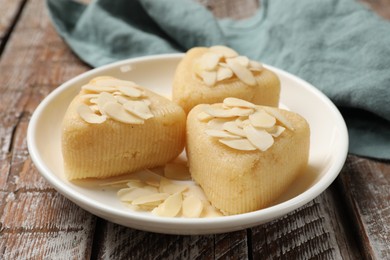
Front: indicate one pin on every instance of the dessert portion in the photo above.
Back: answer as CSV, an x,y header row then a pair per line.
x,y
113,127
244,156
209,75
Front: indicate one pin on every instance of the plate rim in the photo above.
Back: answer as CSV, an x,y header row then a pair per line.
x,y
215,224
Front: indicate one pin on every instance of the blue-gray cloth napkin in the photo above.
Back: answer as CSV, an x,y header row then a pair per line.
x,y
339,46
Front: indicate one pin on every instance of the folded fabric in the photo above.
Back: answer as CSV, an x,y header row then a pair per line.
x,y
339,46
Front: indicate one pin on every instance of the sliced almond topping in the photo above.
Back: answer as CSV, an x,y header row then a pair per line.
x,y
138,108
130,194
94,108
177,171
104,98
239,144
195,190
224,73
151,198
276,130
255,66
149,177
274,112
170,207
209,77
224,51
210,211
121,99
192,207
242,72
224,113
117,112
135,184
217,123
87,97
236,102
242,60
233,128
118,183
130,91
262,119
168,186
209,61
98,89
259,138
89,116
204,117
151,188
220,134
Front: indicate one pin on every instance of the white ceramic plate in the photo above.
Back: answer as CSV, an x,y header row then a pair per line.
x,y
328,149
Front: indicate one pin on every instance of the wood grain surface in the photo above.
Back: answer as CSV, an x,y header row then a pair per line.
x,y
350,220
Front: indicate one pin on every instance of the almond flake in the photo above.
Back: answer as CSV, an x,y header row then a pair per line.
x,y
276,130
244,74
177,171
98,89
238,144
274,112
130,91
255,66
89,116
149,177
195,190
94,108
210,211
259,138
209,61
192,207
240,121
151,198
138,108
130,194
121,99
120,183
224,51
224,113
135,184
224,73
217,123
220,133
233,128
117,112
168,186
242,60
87,97
262,119
204,117
236,102
104,98
170,207
209,77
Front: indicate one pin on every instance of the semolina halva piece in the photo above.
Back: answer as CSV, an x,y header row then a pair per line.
x,y
113,127
245,161
209,75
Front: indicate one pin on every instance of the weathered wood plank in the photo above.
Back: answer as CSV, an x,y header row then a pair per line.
x,y
118,242
9,12
366,187
316,230
36,221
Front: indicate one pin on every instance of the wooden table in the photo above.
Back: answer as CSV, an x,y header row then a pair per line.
x,y
350,220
